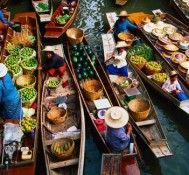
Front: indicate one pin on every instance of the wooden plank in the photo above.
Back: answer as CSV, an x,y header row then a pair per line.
x,y
146,122
74,137
64,163
166,150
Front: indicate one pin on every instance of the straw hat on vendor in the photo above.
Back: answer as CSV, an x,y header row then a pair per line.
x,y
120,44
48,49
173,73
116,117
123,14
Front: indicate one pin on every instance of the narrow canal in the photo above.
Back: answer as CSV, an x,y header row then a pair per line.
x,y
92,19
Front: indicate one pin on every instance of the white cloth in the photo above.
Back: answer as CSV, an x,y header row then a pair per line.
x,y
170,87
120,59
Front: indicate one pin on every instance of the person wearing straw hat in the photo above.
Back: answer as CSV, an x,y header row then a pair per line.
x,y
9,97
55,64
122,25
119,66
118,129
173,87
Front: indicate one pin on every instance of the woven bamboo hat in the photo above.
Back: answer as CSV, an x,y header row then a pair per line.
x,y
3,70
172,73
123,14
121,44
48,49
116,117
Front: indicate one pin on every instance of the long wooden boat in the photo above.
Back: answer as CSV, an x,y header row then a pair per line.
x,y
17,165
44,15
170,20
75,118
150,129
54,30
182,9
110,100
3,30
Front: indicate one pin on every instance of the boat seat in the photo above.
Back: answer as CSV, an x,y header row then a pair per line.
x,y
146,122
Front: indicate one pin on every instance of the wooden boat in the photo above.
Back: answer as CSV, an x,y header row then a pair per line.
x,y
115,164
44,15
54,30
110,100
181,8
75,117
121,2
149,129
3,30
170,20
17,165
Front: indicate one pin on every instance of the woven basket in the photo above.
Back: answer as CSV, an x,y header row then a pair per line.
x,y
139,109
75,35
28,104
57,115
92,89
29,70
151,72
127,37
53,79
65,154
120,80
26,81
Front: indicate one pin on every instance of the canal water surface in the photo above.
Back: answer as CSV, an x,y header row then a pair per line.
x,y
92,19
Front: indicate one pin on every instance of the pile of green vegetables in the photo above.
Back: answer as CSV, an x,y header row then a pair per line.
x,y
62,19
30,63
27,94
15,50
41,7
26,52
11,60
142,50
15,69
53,83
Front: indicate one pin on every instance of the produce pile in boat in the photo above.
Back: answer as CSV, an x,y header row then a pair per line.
x,y
83,57
28,124
62,19
42,7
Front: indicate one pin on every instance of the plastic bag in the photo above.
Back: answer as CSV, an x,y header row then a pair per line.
x,y
12,132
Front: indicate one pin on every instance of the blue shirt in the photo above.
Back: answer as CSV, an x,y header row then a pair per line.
x,y
123,26
3,19
12,108
117,138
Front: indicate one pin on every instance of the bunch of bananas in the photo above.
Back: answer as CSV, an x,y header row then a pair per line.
x,y
28,124
153,65
58,149
160,77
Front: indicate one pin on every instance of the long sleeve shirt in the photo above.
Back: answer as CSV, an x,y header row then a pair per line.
x,y
117,138
55,62
170,87
123,26
120,59
3,19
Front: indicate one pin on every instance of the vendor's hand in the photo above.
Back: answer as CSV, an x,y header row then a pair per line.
x,y
129,128
164,89
40,68
110,31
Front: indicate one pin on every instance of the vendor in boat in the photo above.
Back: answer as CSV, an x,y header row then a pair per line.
x,y
68,3
9,97
3,20
119,66
122,25
173,87
55,64
118,135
